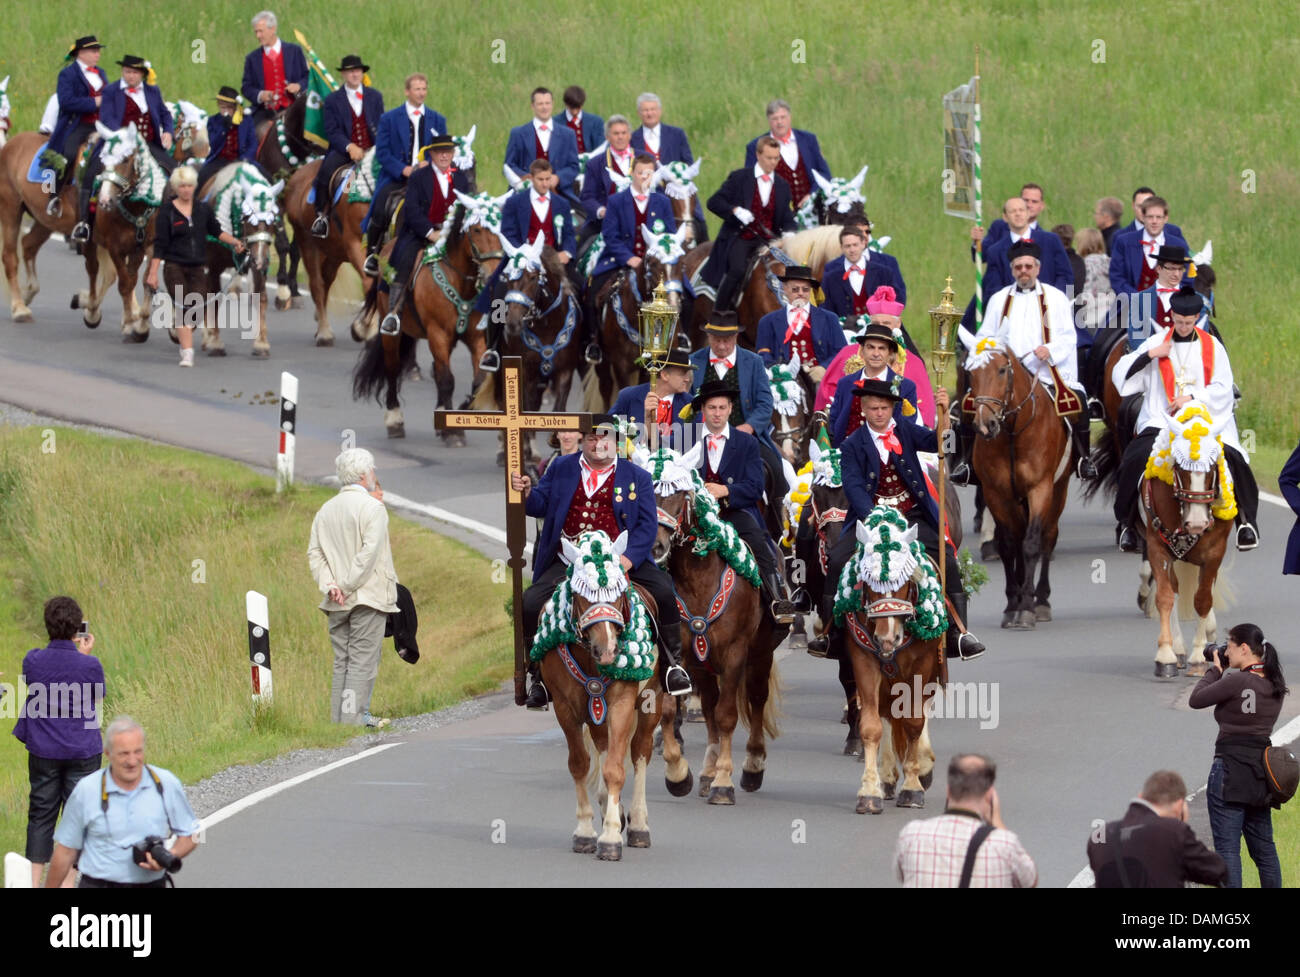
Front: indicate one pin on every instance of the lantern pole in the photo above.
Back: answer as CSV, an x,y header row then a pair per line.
x,y
658,322
943,323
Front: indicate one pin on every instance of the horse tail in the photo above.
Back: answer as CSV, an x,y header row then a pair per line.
x,y
371,303
1187,574
1106,457
595,780
370,374
772,708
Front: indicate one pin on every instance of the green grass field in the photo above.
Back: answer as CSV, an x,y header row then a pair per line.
x,y
119,524
1286,835
1087,99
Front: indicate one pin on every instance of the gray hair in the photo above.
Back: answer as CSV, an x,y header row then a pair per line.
x,y
183,176
617,118
778,103
265,15
122,724
353,465
647,97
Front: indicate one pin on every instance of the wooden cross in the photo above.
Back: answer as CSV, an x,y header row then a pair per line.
x,y
516,424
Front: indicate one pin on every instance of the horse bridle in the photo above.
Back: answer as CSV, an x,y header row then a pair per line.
x,y
111,176
820,520
1180,541
515,296
677,525
886,606
1003,411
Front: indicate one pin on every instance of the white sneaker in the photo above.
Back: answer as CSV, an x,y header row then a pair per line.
x,y
187,357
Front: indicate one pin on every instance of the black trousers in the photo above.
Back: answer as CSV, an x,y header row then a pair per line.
x,y
733,276
1134,463
89,882
755,536
378,225
928,536
656,581
71,144
331,164
51,784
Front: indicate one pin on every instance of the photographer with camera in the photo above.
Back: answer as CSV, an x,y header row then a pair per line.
x,y
118,820
1247,703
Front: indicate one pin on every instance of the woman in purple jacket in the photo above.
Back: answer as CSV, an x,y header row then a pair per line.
x,y
59,723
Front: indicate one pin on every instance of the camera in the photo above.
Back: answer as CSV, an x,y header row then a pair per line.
x,y
1213,651
153,845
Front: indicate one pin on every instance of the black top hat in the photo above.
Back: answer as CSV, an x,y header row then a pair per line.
x,y
714,388
351,61
875,330
722,322
1186,301
227,94
1172,254
131,61
1024,247
798,273
83,43
876,388
441,142
599,421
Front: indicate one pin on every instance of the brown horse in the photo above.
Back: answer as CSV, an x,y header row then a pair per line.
x,y
793,395
729,637
618,306
1023,457
894,649
604,719
281,150
678,183
439,309
760,294
1188,510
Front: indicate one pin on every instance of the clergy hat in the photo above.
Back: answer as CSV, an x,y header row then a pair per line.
x,y
351,62
877,330
228,94
1025,247
798,273
132,61
714,388
722,322
876,388
884,300
1187,301
83,44
1172,254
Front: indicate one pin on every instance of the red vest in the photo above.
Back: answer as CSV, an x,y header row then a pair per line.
x,y
542,224
132,113
538,151
273,79
230,149
800,184
1164,317
803,345
92,117
361,131
859,298
857,417
577,132
440,204
762,215
638,242
590,514
890,485
1148,273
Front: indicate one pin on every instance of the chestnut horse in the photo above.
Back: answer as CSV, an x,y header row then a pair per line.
x,y
438,309
678,183
759,295
1187,509
604,718
1023,456
728,638
281,150
895,620
792,410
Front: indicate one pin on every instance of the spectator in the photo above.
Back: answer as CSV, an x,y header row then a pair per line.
x,y
100,831
1289,483
59,723
1066,233
1106,217
1095,292
1153,847
351,561
967,846
1246,706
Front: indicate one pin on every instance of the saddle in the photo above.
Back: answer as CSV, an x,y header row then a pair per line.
x,y
340,182
46,162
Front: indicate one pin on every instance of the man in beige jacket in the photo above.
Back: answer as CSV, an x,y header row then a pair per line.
x,y
350,558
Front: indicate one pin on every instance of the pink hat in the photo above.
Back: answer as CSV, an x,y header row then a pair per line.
x,y
882,302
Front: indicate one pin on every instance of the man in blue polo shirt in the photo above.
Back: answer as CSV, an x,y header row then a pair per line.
x,y
111,812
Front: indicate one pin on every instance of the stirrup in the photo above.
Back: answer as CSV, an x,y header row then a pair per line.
x,y
371,265
490,361
975,646
55,207
391,324
960,474
320,227
674,677
81,233
1096,409
594,353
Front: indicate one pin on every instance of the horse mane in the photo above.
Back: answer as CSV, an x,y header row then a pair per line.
x,y
551,264
457,229
816,246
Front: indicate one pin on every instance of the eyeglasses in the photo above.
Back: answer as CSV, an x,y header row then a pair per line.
x,y
799,288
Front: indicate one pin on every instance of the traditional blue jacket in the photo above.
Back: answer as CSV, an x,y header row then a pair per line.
x,y
827,336
842,404
113,107
620,231
295,70
860,468
521,150
219,126
882,269
755,388
337,116
741,469
1128,258
518,211
76,98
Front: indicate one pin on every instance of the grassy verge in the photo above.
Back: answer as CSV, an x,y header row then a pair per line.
x,y
158,545
1286,835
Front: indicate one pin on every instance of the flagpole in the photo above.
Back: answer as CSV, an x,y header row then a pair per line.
x,y
979,208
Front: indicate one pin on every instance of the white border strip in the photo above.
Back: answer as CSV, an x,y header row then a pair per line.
x,y
446,515
1283,736
1275,499
244,803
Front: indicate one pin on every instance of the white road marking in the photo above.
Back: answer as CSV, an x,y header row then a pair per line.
x,y
244,803
446,515
1275,499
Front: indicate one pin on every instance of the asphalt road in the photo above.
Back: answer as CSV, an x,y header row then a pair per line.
x,y
1075,718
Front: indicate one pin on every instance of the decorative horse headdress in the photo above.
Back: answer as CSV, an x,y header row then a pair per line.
x,y
678,178
841,193
787,392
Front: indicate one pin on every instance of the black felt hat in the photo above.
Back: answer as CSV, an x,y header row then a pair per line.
x,y
84,43
722,322
1187,301
714,388
351,62
876,330
1172,254
227,94
134,61
1024,247
799,273
876,388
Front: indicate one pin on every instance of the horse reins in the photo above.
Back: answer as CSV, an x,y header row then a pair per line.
x,y
1180,541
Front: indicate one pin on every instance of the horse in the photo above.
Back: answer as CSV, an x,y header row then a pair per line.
x,y
1187,509
792,410
4,111
132,186
441,305
678,183
1023,457
189,133
835,202
605,686
619,305
245,206
730,637
282,149
892,605
758,295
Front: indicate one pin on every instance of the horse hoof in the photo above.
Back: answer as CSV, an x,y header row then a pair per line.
x,y
584,846
853,746
1166,669
324,340
134,337
638,839
694,715
988,550
705,784
888,790
911,798
21,314
750,781
1043,612
261,352
722,795
1026,621
1009,619
682,787
397,431
1181,659
217,351
870,805
89,323
926,780
281,304
609,851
